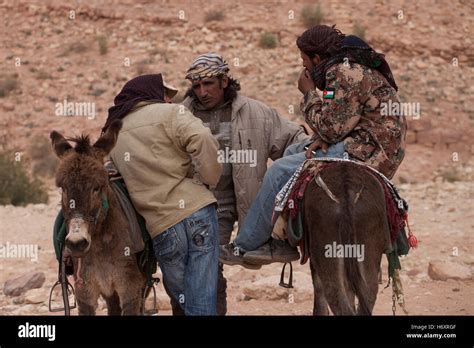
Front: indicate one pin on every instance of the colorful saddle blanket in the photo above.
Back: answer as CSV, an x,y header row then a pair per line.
x,y
289,203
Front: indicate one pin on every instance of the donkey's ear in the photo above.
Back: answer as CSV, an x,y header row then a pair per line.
x,y
59,143
107,141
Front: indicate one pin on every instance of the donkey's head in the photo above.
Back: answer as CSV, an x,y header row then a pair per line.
x,y
84,183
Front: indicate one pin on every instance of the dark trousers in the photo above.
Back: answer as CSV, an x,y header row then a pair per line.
x,y
226,220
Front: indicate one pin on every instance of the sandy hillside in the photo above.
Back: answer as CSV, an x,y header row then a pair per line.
x,y
52,52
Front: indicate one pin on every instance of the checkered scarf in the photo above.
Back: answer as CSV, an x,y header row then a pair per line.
x,y
207,65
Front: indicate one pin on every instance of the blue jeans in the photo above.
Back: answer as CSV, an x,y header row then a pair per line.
x,y
257,227
188,255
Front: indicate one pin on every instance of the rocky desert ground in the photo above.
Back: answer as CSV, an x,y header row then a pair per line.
x,y
54,52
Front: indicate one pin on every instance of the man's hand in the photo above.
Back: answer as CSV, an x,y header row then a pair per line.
x,y
305,82
318,143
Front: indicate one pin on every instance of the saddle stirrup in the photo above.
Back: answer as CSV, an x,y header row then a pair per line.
x,y
288,285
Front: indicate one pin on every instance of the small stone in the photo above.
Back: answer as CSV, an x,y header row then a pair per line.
x,y
8,106
444,270
413,272
25,310
420,64
19,300
421,124
411,137
36,296
268,289
19,285
39,207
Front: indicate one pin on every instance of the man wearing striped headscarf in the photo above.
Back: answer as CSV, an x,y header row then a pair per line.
x,y
249,133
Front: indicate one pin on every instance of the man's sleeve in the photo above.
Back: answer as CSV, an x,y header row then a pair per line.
x,y
336,115
283,133
197,140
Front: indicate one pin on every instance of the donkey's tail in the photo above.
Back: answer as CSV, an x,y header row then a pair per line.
x,y
347,233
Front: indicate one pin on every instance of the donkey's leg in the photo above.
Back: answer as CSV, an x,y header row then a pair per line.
x,y
87,298
131,301
372,286
113,304
371,274
130,292
320,306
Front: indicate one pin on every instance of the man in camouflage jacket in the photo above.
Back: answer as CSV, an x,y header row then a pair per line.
x,y
350,111
356,84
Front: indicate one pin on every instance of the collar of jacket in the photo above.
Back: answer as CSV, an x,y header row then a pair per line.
x,y
142,104
237,104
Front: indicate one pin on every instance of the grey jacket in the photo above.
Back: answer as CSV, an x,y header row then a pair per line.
x,y
256,126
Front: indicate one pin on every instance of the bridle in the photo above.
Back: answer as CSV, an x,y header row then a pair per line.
x,y
104,207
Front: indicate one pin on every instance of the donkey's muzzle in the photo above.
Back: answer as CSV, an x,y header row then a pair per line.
x,y
78,245
78,239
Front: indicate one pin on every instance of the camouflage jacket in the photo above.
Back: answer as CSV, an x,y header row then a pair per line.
x,y
350,111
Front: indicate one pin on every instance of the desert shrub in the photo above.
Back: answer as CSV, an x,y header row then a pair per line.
x,y
8,83
103,46
312,15
43,159
359,30
268,40
16,186
450,175
214,15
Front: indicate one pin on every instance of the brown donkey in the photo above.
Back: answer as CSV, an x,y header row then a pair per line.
x,y
97,238
345,216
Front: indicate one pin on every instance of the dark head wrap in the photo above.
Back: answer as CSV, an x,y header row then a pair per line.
x,y
334,48
141,88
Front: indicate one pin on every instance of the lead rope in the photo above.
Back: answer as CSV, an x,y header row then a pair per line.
x,y
397,288
397,292
394,308
79,280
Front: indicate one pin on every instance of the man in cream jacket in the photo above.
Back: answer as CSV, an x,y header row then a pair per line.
x,y
155,149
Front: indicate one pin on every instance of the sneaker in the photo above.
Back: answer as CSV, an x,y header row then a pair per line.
x,y
230,254
272,251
